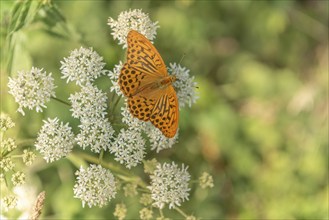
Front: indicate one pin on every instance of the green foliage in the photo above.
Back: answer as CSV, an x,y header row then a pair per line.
x,y
260,125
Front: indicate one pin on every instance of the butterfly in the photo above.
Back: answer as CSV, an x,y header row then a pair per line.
x,y
144,80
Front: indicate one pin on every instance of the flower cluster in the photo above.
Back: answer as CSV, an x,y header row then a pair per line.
x,y
157,140
10,160
32,89
132,20
90,102
184,85
82,66
120,211
18,178
6,164
55,140
94,186
7,145
89,105
129,148
114,77
28,157
5,122
206,180
146,214
9,202
95,133
169,185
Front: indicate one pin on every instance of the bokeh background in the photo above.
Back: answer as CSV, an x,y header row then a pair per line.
x,y
260,126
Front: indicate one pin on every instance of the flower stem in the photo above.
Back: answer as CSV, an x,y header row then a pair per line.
x,y
26,142
61,101
180,211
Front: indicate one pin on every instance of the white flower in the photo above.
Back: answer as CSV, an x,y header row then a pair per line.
x,y
169,185
18,178
28,157
94,186
6,164
5,122
9,202
157,140
185,85
55,140
120,211
82,66
146,214
132,20
95,133
114,77
32,89
89,102
129,148
206,180
145,199
8,145
130,189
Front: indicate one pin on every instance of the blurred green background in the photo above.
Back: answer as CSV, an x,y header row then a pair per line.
x,y
260,126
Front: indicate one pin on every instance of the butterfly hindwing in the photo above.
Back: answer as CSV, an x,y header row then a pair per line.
x,y
141,107
165,113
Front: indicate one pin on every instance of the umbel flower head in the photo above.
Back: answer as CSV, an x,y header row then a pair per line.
x,y
169,185
184,85
114,77
95,133
82,66
32,89
132,20
157,140
90,102
129,148
5,122
94,186
55,140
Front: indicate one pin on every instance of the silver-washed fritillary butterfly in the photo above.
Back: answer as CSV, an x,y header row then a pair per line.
x,y
144,80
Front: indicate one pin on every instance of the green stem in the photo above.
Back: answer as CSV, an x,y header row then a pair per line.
x,y
115,103
180,211
61,101
27,142
100,158
161,213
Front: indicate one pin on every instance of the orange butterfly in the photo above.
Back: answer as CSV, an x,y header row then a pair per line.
x,y
145,81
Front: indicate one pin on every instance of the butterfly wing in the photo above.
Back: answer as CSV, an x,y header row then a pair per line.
x,y
143,67
141,107
165,113
143,56
138,81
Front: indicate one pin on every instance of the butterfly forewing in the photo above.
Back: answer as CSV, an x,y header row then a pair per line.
x,y
143,56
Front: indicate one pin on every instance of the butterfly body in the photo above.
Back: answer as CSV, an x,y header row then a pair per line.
x,y
145,81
